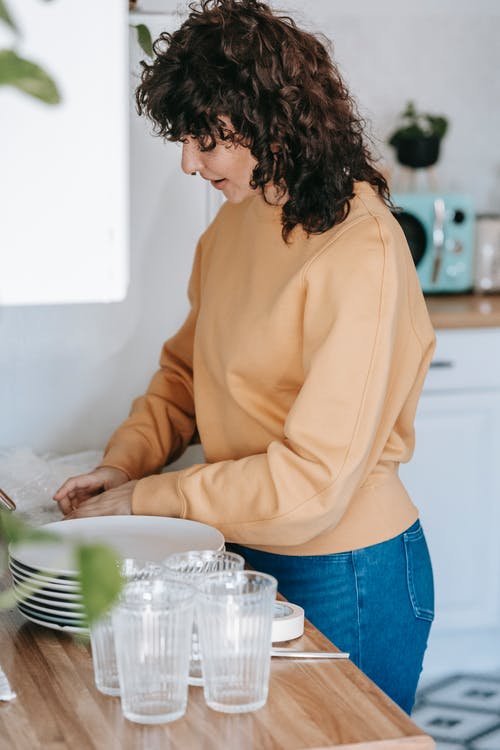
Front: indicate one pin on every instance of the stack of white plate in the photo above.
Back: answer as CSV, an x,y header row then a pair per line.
x,y
44,575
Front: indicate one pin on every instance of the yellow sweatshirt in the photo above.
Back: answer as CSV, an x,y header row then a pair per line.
x,y
300,365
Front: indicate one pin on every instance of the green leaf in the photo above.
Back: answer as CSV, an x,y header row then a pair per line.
x,y
410,111
439,125
6,17
4,556
100,578
81,638
144,39
27,76
99,566
7,599
14,530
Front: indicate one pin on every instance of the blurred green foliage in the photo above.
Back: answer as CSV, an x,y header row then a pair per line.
x,y
28,76
23,74
98,566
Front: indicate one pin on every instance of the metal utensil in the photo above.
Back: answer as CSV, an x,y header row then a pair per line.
x,y
438,237
6,502
291,654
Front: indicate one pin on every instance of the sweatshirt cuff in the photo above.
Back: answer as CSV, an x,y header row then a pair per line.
x,y
109,465
158,495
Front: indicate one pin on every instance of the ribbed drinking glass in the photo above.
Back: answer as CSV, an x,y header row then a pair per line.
x,y
193,566
101,632
235,614
152,627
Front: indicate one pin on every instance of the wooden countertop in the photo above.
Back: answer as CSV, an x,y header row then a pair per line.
x,y
464,311
317,705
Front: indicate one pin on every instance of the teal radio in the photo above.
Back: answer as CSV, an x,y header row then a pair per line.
x,y
439,228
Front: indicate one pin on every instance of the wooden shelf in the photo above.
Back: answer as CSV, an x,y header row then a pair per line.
x,y
464,311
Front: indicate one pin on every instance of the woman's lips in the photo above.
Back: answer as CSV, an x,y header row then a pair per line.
x,y
219,184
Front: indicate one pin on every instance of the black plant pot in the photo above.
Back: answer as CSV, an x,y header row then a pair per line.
x,y
418,152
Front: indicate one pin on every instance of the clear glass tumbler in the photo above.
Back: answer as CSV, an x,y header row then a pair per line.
x,y
235,615
193,566
152,628
101,632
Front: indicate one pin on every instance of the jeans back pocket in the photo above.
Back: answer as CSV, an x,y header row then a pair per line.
x,y
419,573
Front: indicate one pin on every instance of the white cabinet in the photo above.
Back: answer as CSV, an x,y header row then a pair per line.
x,y
454,479
64,169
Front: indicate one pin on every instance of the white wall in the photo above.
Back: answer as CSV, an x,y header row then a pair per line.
x,y
67,374
444,54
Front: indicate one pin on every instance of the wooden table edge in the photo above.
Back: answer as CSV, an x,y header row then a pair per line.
x,y
418,742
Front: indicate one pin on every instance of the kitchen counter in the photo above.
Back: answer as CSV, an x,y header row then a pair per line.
x,y
317,704
464,311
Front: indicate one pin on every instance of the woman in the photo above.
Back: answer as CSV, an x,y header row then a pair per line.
x,y
303,356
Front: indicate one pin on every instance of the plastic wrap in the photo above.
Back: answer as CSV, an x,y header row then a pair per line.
x,y
31,480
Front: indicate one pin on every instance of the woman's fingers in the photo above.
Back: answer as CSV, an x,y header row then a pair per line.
x,y
78,489
117,501
84,483
84,486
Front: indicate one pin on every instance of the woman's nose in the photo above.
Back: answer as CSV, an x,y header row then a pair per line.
x,y
191,157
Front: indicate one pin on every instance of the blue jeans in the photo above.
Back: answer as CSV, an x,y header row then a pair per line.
x,y
376,602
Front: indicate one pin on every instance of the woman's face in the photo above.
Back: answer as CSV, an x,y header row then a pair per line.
x,y
228,167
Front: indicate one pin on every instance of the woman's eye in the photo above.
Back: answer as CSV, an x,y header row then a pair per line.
x,y
202,144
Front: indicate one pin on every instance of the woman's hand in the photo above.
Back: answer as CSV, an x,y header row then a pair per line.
x,y
114,502
81,488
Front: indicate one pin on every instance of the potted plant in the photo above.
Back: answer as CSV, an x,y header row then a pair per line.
x,y
417,138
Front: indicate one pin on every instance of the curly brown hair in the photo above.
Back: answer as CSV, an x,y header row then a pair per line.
x,y
283,95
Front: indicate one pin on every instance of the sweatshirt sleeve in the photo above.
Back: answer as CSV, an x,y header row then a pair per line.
x,y
355,316
161,422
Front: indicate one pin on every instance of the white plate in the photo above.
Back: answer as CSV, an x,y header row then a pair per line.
x,y
54,625
27,589
63,614
39,599
28,572
44,581
141,537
